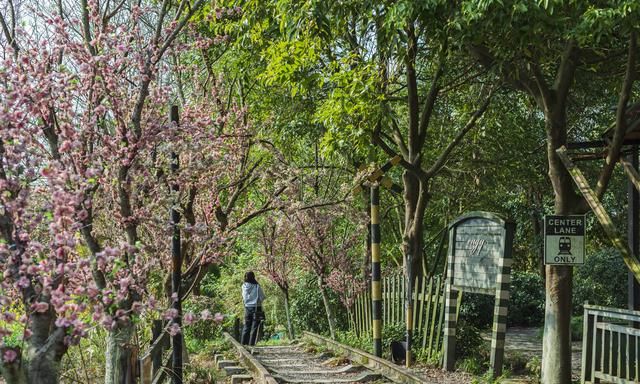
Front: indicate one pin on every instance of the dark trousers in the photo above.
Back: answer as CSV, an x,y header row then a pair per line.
x,y
251,324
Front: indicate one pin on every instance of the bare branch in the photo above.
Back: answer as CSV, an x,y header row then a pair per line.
x,y
10,34
621,122
444,155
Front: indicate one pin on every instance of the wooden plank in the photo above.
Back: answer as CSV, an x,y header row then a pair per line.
x,y
615,356
597,349
439,301
438,329
427,313
392,299
606,352
631,358
358,325
612,379
385,299
601,214
423,302
416,304
587,347
616,312
403,294
618,328
369,312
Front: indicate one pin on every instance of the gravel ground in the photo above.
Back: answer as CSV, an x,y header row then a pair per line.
x,y
291,364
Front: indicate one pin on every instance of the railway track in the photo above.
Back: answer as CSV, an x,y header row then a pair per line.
x,y
298,364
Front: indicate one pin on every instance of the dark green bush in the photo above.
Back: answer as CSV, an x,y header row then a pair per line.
x,y
477,309
201,331
601,280
362,342
469,342
307,308
526,306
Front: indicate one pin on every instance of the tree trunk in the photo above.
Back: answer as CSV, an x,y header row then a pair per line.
x,y
44,353
327,307
415,201
118,369
286,311
556,343
43,369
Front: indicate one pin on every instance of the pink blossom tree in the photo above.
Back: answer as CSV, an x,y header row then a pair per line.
x,y
278,258
326,241
83,125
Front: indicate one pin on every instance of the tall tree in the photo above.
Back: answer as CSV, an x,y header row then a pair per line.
x,y
551,46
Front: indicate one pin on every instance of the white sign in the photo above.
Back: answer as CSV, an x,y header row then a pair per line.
x,y
564,239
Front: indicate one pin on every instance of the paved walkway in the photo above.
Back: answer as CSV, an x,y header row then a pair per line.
x,y
528,342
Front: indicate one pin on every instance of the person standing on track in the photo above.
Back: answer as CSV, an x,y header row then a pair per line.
x,y
252,296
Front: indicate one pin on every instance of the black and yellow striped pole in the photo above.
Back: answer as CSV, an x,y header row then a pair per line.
x,y
376,286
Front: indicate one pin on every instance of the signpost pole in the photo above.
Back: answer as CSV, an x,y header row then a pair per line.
x,y
450,314
502,302
632,231
376,287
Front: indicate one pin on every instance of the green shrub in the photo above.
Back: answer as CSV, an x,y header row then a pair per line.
x,y
534,366
469,342
473,365
526,305
200,332
477,309
601,280
363,342
307,309
576,328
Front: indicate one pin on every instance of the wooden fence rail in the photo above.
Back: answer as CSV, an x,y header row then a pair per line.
x,y
428,313
151,367
611,345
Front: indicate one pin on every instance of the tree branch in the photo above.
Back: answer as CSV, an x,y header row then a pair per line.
x,y
431,98
621,122
444,155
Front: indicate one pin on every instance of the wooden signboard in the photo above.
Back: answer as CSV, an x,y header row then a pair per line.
x,y
479,261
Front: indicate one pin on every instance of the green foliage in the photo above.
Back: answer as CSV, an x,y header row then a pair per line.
x,y
307,309
469,342
577,326
363,342
534,366
422,356
477,310
526,306
601,280
201,332
85,362
473,365
395,332
516,362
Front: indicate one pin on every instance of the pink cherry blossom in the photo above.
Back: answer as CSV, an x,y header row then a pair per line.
x,y
9,356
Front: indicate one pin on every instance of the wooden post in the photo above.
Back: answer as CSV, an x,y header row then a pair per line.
x,y
409,314
633,227
156,358
376,289
176,274
450,318
502,302
587,346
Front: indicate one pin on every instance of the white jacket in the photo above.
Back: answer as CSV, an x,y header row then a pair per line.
x,y
252,295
